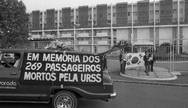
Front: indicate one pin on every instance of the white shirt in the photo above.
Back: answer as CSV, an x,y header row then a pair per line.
x,y
16,63
124,57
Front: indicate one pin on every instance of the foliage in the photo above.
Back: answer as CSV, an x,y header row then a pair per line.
x,y
13,22
121,45
165,44
165,48
125,45
58,45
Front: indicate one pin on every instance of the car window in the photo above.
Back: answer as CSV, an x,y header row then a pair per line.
x,y
9,63
9,60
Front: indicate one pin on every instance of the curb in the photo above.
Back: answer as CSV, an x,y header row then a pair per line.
x,y
177,73
152,83
157,79
167,61
172,62
182,72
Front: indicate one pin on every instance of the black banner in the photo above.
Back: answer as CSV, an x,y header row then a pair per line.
x,y
62,68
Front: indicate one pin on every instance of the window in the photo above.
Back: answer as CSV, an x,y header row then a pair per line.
x,y
114,14
181,19
129,13
157,20
162,12
174,10
108,21
157,12
9,60
181,10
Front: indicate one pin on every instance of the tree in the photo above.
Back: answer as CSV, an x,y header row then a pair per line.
x,y
13,23
165,47
121,45
58,45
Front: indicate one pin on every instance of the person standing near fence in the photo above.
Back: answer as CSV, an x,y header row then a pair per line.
x,y
104,63
146,62
123,61
151,60
120,60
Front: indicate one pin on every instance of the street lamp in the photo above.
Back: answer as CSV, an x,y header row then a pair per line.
x,y
132,25
132,41
154,25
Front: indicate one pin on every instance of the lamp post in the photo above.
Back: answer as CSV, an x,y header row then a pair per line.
x,y
154,26
74,29
178,29
43,34
58,20
92,32
111,26
74,44
132,24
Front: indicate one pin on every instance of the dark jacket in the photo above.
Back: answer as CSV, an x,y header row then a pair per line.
x,y
153,58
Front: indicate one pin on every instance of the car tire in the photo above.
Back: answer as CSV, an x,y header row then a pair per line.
x,y
65,99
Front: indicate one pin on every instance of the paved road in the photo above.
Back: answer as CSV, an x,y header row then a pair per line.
x,y
143,96
131,96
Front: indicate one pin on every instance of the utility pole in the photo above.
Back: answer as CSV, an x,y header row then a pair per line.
x,y
58,20
154,27
111,26
74,29
43,34
132,25
92,32
178,29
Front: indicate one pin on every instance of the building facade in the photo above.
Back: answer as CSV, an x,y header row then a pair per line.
x,y
96,29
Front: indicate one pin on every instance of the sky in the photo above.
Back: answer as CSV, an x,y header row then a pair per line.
x,y
58,4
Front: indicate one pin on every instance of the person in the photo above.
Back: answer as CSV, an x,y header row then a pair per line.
x,y
104,63
123,61
120,59
151,60
17,59
146,62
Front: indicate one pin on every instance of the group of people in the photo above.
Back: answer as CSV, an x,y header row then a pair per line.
x,y
149,60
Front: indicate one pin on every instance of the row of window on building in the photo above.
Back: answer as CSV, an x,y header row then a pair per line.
x,y
164,12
